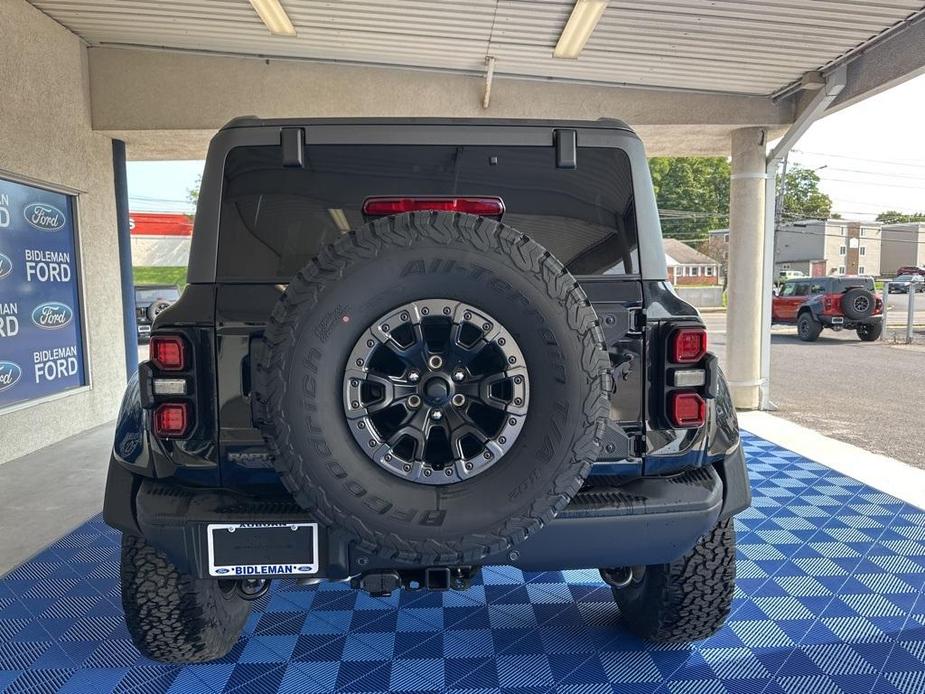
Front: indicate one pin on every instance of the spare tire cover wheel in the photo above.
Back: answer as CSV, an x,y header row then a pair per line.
x,y
858,303
435,384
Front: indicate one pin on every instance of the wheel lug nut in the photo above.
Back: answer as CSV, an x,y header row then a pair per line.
x,y
458,375
435,362
459,399
413,376
436,414
414,401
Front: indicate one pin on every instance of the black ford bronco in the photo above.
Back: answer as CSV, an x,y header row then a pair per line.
x,y
412,348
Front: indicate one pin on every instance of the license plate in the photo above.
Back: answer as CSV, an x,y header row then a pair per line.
x,y
262,550
838,320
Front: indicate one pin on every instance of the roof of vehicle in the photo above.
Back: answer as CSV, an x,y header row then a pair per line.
x,y
255,121
832,277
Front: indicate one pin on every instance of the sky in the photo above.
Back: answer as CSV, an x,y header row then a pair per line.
x,y
871,154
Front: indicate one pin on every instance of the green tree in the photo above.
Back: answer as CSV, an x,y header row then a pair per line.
x,y
692,194
802,198
894,217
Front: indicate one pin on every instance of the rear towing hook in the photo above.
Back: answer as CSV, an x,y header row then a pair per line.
x,y
252,588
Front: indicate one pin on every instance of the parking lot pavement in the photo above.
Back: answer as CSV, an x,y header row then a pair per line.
x,y
869,394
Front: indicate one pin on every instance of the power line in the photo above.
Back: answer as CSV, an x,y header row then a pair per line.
x,y
918,163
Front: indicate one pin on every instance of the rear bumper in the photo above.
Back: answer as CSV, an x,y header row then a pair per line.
x,y
847,323
646,521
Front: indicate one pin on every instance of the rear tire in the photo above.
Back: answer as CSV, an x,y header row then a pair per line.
x,y
808,328
174,617
688,599
870,332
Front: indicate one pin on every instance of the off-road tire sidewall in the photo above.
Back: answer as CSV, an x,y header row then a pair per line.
x,y
688,599
173,617
808,328
387,264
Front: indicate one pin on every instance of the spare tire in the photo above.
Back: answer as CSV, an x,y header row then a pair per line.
x,y
858,303
426,313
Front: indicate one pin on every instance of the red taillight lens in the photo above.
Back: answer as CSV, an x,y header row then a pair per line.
x,y
171,419
687,409
688,345
168,352
384,206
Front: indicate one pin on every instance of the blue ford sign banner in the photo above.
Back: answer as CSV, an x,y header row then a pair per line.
x,y
41,340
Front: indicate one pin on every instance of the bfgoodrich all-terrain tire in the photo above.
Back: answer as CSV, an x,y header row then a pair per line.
x,y
688,599
870,332
336,461
173,617
808,328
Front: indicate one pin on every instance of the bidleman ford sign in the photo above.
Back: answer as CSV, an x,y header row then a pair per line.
x,y
41,340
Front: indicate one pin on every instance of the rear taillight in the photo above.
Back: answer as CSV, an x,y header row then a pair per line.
x,y
171,419
168,352
688,345
829,303
687,409
481,206
878,305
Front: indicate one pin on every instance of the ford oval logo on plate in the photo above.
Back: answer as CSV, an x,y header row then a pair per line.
x,y
6,266
44,217
10,373
52,315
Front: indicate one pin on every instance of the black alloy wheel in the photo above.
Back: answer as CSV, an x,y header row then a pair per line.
x,y
436,391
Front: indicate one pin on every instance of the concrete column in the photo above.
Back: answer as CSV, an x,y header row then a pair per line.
x,y
746,266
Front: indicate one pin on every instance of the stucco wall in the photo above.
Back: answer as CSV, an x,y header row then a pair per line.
x,y
45,135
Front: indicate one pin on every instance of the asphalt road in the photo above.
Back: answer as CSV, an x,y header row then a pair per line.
x,y
870,394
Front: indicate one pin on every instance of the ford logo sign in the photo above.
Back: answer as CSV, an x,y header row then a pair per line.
x,y
6,266
44,217
52,315
223,571
10,373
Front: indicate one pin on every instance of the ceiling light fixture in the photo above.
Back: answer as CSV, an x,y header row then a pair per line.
x,y
274,17
581,23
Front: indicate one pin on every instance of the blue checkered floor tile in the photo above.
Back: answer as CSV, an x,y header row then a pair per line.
x,y
829,600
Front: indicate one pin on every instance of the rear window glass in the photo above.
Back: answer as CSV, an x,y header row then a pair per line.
x,y
842,285
274,219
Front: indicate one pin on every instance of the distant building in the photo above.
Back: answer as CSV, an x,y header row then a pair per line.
x,y
828,247
689,266
902,244
160,239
